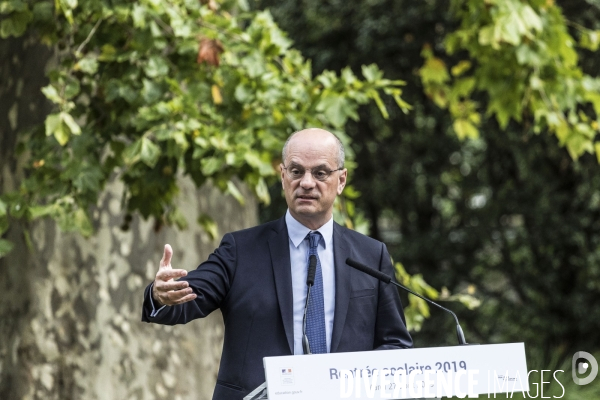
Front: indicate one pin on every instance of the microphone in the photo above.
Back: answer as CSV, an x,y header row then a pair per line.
x,y
310,281
388,279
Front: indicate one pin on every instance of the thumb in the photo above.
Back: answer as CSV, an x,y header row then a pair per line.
x,y
165,263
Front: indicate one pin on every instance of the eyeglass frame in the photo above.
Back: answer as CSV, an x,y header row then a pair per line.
x,y
329,172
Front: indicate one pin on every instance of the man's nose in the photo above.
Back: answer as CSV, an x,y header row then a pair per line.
x,y
307,181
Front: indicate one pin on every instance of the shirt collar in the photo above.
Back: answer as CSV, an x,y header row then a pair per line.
x,y
297,232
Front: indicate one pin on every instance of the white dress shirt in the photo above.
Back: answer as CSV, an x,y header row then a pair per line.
x,y
299,262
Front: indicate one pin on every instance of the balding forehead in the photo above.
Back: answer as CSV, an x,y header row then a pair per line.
x,y
305,144
313,133
318,137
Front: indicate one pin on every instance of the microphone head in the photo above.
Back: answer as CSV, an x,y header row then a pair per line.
x,y
312,270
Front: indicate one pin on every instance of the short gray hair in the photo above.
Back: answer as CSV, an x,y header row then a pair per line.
x,y
341,158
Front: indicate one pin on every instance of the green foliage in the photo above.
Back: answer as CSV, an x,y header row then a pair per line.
x,y
521,55
147,91
20,16
417,309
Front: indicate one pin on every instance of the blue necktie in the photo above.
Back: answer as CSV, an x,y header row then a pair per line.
x,y
315,315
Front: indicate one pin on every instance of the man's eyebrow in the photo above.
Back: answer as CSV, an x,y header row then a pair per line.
x,y
321,166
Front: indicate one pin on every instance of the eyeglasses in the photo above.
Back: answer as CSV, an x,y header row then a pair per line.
x,y
320,174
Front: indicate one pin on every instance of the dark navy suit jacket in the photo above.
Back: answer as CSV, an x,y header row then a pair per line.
x,y
249,278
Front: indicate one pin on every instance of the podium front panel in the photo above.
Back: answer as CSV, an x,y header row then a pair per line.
x,y
399,374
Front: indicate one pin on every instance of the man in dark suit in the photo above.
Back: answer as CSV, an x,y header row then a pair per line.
x,y
257,277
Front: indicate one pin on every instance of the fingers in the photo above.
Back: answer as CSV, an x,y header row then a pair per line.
x,y
184,299
174,297
165,286
168,274
167,254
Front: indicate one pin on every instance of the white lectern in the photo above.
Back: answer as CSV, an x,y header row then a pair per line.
x,y
460,371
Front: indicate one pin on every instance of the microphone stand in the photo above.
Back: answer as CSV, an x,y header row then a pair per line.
x,y
388,279
310,281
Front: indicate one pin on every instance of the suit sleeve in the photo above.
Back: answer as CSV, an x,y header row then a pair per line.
x,y
210,282
390,325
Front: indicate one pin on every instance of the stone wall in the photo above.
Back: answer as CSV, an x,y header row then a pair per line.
x,y
71,307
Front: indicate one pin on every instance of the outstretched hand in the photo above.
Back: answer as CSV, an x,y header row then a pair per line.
x,y
167,290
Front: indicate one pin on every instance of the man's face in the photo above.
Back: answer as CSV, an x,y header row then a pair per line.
x,y
310,200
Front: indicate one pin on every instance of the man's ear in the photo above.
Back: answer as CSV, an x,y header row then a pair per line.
x,y
342,181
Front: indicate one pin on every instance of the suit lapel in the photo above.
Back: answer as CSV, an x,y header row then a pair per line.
x,y
341,251
282,272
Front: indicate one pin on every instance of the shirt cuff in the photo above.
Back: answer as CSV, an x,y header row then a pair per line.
x,y
154,312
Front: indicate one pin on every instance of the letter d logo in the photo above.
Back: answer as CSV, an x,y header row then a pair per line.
x,y
583,367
